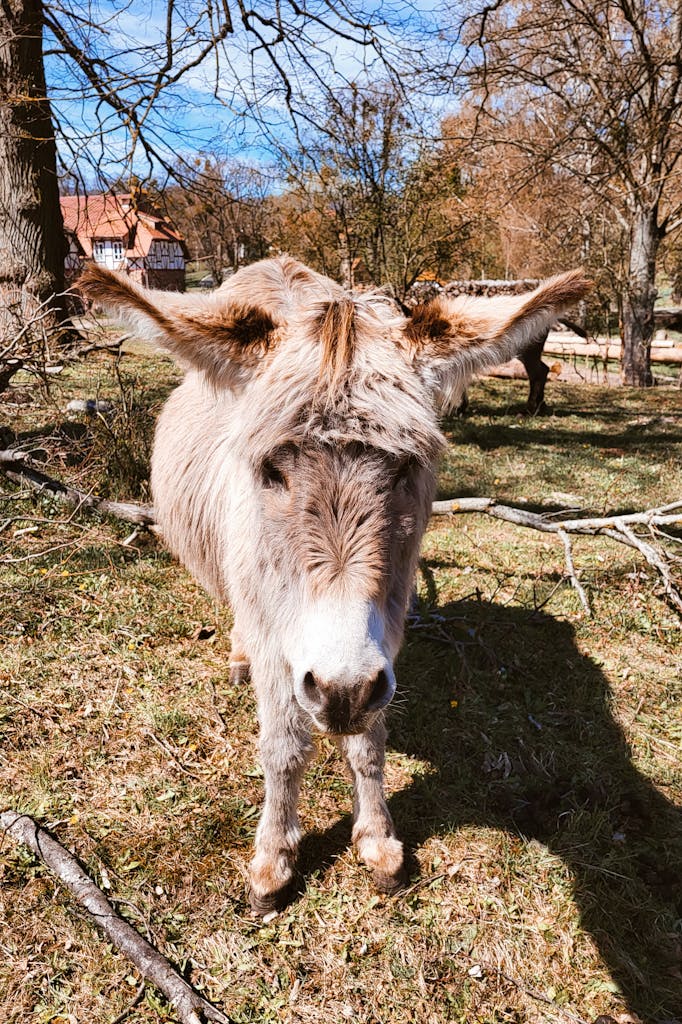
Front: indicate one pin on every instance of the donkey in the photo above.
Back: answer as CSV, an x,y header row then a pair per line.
x,y
293,473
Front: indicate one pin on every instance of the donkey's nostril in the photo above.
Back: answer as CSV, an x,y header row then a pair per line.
x,y
379,692
310,687
341,707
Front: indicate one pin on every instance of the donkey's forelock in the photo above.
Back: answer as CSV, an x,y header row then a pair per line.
x,y
342,377
342,326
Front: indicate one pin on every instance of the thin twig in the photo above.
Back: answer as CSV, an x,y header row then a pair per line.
x,y
188,1004
169,752
131,1006
655,559
522,987
572,573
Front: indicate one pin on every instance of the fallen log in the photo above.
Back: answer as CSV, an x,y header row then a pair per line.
x,y
22,469
668,319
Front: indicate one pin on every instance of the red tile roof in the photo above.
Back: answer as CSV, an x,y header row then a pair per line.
x,y
116,217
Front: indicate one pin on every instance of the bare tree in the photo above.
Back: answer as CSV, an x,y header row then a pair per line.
x,y
598,85
32,244
223,210
383,189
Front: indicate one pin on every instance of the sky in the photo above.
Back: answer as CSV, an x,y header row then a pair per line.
x,y
234,101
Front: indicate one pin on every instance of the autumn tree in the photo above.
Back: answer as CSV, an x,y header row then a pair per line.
x,y
529,219
598,86
373,183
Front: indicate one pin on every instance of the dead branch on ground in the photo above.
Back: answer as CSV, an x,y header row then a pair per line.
x,y
618,528
189,1005
22,469
114,347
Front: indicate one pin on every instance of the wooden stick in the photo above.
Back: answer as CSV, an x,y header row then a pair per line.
x,y
22,469
188,1004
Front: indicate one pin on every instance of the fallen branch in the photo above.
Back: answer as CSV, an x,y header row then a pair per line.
x,y
115,347
22,469
618,528
188,1004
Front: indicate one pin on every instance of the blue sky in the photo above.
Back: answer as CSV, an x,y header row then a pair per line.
x,y
233,100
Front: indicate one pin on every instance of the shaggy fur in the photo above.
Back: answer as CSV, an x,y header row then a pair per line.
x,y
293,473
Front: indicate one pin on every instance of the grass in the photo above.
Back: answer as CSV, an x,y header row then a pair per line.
x,y
534,764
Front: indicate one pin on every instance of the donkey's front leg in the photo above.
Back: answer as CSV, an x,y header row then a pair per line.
x,y
373,830
285,748
239,660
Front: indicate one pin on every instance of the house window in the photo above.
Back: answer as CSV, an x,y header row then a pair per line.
x,y
109,252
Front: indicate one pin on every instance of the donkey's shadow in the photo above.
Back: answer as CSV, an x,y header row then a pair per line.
x,y
516,723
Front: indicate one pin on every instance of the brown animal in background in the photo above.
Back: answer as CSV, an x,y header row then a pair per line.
x,y
293,473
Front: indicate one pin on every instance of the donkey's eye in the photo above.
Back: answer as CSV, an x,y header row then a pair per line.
x,y
402,473
272,477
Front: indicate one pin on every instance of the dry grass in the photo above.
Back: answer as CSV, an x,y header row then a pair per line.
x,y
534,764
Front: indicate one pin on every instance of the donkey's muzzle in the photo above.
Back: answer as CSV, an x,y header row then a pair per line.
x,y
345,709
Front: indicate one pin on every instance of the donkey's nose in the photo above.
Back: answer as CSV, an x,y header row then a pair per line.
x,y
374,694
341,707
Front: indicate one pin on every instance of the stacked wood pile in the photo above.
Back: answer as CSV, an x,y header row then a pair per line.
x,y
567,344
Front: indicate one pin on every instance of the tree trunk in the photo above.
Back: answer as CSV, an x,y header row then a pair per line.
x,y
639,299
32,243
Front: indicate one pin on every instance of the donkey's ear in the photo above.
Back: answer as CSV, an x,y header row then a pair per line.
x,y
209,332
456,338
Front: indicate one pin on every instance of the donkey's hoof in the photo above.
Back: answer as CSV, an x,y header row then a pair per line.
x,y
266,903
239,672
390,884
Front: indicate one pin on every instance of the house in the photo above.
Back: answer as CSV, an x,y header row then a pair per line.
x,y
123,232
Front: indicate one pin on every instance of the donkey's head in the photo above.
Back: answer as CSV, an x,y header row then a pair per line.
x,y
334,403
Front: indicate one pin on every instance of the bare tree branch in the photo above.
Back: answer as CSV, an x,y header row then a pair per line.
x,y
22,469
618,528
189,1005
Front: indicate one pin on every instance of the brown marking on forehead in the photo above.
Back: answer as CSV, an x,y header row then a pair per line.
x,y
341,516
337,326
